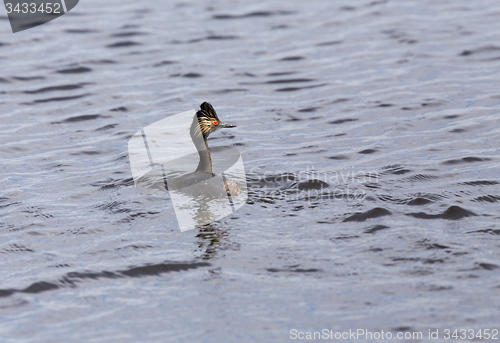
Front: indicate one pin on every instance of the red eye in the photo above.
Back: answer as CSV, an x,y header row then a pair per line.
x,y
215,122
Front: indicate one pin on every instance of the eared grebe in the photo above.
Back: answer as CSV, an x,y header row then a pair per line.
x,y
204,123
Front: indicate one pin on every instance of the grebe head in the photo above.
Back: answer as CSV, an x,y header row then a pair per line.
x,y
208,121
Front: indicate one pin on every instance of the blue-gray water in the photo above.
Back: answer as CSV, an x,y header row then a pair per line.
x,y
404,95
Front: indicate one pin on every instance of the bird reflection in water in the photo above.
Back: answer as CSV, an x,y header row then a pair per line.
x,y
206,122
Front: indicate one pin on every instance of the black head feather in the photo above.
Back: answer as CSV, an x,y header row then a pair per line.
x,y
206,118
207,111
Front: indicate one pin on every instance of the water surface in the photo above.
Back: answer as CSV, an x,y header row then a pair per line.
x,y
369,133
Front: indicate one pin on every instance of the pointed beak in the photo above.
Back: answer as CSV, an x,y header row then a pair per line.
x,y
223,125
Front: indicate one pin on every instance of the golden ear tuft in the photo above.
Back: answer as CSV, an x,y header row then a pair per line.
x,y
207,117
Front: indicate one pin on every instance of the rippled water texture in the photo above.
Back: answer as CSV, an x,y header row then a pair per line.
x,y
369,133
